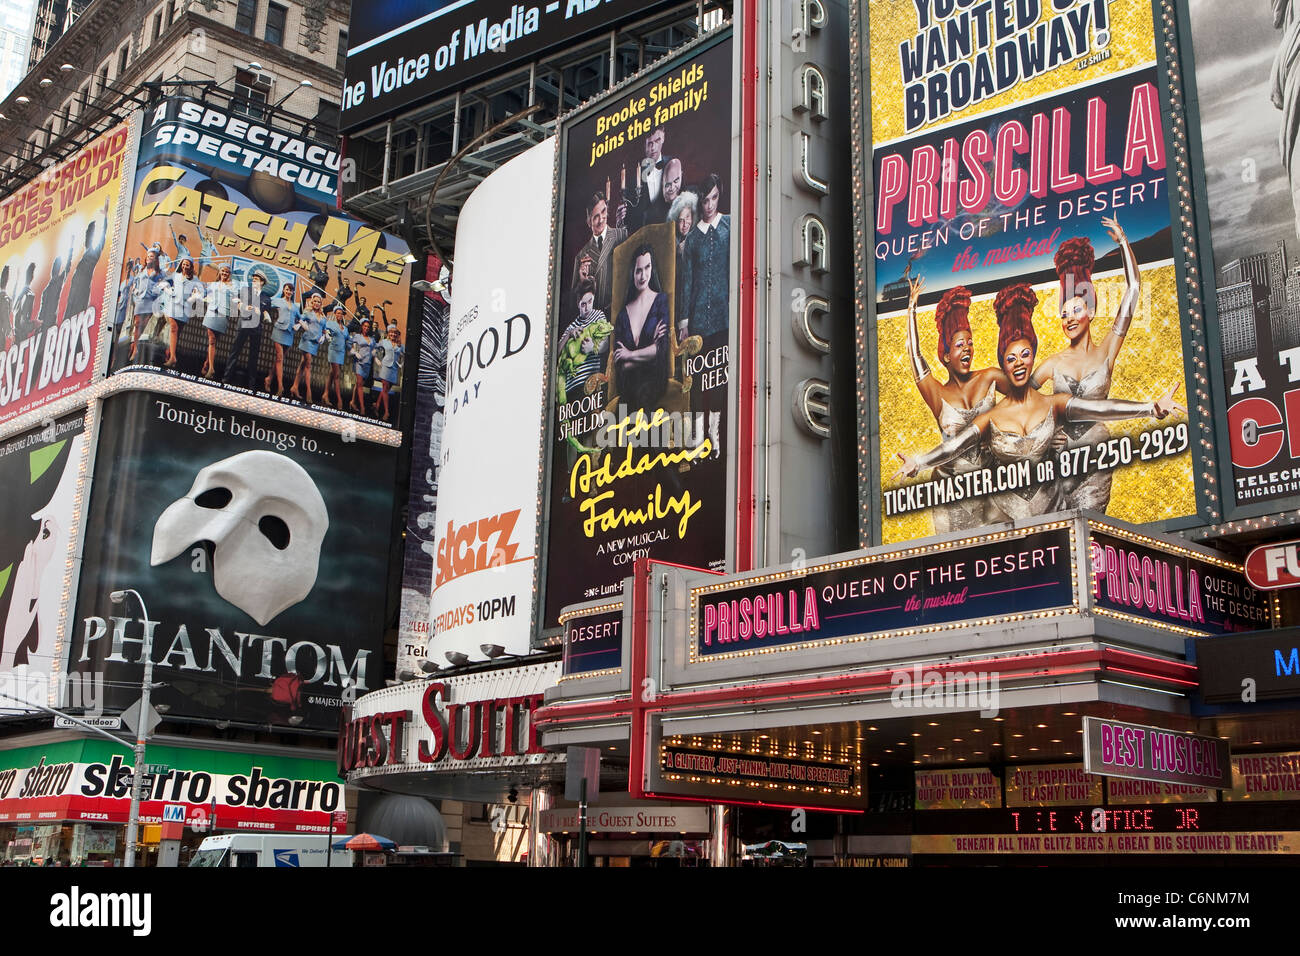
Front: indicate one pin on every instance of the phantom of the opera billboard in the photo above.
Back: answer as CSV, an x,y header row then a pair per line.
x,y
239,270
57,240
641,322
1029,346
1248,85
38,470
260,550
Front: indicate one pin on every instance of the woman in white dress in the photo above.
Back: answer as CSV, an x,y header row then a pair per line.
x,y
1020,427
1084,367
956,402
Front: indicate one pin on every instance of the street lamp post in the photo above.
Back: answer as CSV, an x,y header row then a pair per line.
x,y
142,726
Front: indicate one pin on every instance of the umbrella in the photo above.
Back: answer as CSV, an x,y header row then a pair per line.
x,y
365,841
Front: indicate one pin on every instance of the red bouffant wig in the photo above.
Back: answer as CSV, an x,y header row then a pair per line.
x,y
1074,263
952,315
1015,307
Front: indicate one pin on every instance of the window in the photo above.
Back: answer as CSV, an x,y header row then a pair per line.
x,y
157,26
343,51
246,16
170,10
103,79
123,57
275,17
251,91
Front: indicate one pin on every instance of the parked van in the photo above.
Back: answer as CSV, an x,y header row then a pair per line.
x,y
268,849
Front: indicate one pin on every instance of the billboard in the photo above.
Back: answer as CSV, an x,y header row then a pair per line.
x,y
1141,579
1247,85
261,550
38,471
1029,349
1139,752
422,498
401,52
486,535
91,780
241,201
641,326
963,583
58,236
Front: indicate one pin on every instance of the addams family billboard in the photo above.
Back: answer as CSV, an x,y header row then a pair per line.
x,y
239,270
1029,345
641,325
56,245
260,549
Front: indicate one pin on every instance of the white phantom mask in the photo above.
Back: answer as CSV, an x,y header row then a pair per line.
x,y
266,521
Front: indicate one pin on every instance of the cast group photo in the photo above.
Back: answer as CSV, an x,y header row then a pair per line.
x,y
997,415
649,286
27,307
312,337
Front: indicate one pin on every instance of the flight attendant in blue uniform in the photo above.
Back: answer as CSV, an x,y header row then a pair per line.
x,y
388,359
286,320
312,323
185,299
148,286
336,331
222,304
362,351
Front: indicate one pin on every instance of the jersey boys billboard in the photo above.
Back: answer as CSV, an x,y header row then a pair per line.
x,y
260,549
240,270
486,519
54,262
1029,346
640,326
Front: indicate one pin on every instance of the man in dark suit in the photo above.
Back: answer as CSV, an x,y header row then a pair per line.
x,y
254,309
595,259
645,203
83,276
48,316
24,304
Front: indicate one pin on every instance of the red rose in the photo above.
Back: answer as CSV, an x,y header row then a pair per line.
x,y
287,689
